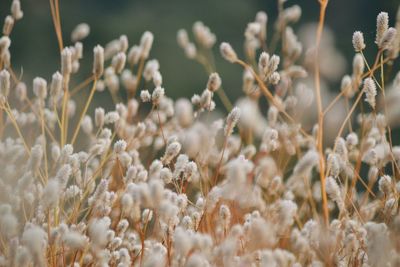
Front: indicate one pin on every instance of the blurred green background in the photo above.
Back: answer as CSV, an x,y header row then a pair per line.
x,y
34,46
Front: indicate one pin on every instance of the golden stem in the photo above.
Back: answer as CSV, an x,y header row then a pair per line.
x,y
78,126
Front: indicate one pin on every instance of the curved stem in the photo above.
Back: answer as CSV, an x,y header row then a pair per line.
x,y
267,93
78,126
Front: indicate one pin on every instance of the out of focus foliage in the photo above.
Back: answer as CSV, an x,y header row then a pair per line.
x,y
227,19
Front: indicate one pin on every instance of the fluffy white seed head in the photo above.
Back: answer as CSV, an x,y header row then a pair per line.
x,y
56,84
133,107
333,189
55,152
341,149
227,52
334,164
77,54
385,184
166,175
151,67
63,174
5,83
118,62
182,38
51,193
157,95
97,231
99,117
80,32
21,91
111,117
146,43
129,80
273,63
145,96
262,19
203,35
358,41
8,224
388,39
292,14
66,61
157,79
171,152
123,43
147,215
75,240
358,65
16,10
184,112
274,78
306,163
36,158
370,92
22,256
352,140
35,239
5,43
190,51
225,215
40,87
382,24
98,61
267,66
214,82
134,55
231,121
120,146
206,99
8,25
346,86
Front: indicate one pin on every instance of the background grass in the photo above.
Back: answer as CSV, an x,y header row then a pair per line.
x,y
227,19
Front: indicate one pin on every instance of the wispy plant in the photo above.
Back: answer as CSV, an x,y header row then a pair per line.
x,y
163,182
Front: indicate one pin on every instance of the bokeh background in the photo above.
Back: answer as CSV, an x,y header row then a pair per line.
x,y
35,51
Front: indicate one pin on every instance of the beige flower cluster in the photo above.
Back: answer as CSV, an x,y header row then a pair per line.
x,y
163,182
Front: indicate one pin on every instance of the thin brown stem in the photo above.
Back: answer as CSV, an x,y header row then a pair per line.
x,y
269,95
55,14
323,5
139,77
78,126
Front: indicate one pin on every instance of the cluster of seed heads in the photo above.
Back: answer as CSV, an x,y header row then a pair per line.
x,y
163,182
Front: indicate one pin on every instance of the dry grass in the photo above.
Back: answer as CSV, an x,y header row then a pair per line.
x,y
163,182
